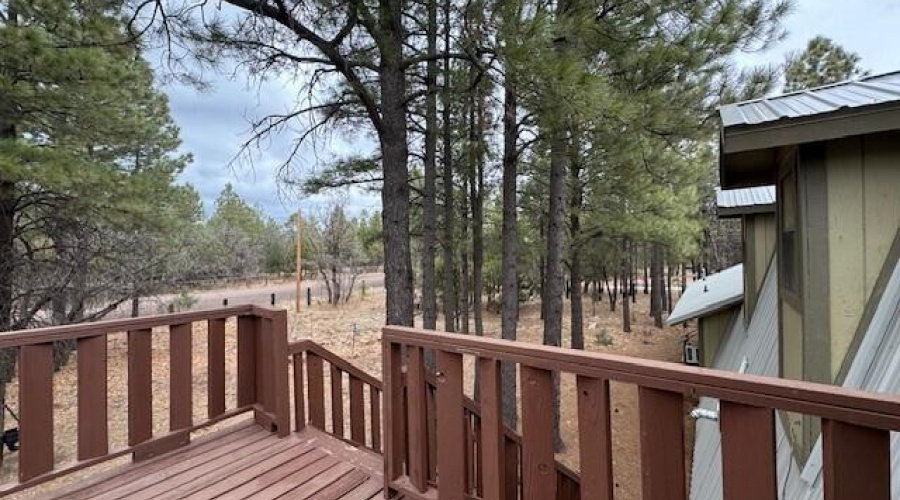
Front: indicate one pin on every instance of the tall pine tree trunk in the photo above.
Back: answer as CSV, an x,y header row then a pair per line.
x,y
465,293
429,209
509,309
656,284
398,275
7,261
626,304
449,211
477,191
7,233
576,198
669,305
644,267
554,280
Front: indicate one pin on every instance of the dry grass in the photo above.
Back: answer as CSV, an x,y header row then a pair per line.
x,y
334,327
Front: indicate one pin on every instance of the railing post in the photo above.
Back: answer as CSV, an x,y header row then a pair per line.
x,y
417,419
451,427
393,405
280,387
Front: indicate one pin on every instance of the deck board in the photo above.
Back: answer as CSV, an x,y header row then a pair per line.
x,y
245,462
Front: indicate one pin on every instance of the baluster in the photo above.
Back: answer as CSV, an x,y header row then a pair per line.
x,y
92,414
538,461
375,416
337,401
35,410
595,438
180,379
491,429
246,360
662,444
316,381
431,407
417,423
299,403
748,452
511,460
215,345
856,461
357,413
451,432
140,386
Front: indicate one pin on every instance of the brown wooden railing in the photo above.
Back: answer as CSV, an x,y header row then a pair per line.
x,y
311,396
310,404
855,425
262,385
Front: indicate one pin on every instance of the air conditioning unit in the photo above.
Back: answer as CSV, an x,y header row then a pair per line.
x,y
691,355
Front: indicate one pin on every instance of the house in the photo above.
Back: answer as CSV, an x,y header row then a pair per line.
x,y
715,300
755,206
827,309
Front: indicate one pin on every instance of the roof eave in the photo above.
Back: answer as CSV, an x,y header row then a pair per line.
x,y
707,311
735,212
754,145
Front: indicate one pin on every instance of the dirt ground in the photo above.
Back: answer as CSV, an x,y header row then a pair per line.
x,y
353,331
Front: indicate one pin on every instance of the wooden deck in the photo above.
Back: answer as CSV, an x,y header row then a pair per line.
x,y
246,461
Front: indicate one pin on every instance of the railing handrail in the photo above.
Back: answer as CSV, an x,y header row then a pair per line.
x,y
880,411
307,345
42,335
262,385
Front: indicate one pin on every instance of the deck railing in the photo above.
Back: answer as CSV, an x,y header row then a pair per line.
x,y
323,405
262,385
310,404
855,425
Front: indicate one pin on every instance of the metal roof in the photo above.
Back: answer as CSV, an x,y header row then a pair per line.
x,y
875,368
752,350
732,202
866,91
709,295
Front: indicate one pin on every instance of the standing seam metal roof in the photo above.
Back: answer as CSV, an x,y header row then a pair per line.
x,y
710,294
866,91
875,368
745,197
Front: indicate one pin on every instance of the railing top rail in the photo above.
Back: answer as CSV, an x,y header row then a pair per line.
x,y
65,332
344,365
863,408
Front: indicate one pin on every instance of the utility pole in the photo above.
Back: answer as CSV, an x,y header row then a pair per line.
x,y
299,261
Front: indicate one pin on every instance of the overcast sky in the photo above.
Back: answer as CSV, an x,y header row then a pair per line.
x,y
215,123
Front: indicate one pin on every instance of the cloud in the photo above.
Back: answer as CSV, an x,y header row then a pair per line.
x,y
216,123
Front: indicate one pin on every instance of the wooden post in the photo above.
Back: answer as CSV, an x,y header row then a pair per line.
x,y
299,261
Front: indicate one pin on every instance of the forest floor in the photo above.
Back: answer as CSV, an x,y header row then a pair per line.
x,y
353,331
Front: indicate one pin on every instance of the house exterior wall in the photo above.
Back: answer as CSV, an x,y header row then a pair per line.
x,y
759,247
846,213
863,190
712,330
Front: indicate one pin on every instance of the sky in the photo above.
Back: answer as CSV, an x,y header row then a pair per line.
x,y
216,122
